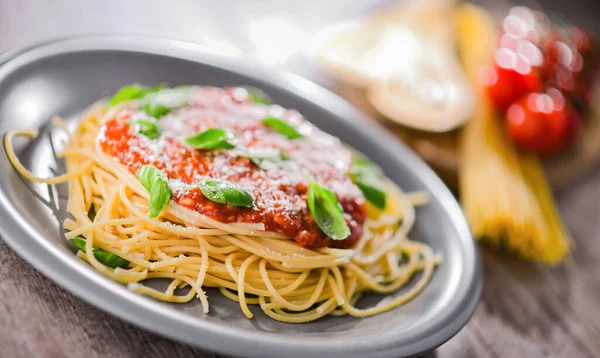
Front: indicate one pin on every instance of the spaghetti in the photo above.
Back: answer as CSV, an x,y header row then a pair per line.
x,y
505,195
280,251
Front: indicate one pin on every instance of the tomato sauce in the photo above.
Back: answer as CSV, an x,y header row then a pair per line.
x,y
279,191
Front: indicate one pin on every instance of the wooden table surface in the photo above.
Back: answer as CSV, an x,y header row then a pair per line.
x,y
526,310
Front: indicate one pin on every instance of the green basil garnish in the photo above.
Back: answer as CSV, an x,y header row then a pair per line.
x,y
146,174
370,180
106,258
130,92
160,193
282,127
156,110
225,193
149,128
257,96
214,138
261,157
327,211
162,102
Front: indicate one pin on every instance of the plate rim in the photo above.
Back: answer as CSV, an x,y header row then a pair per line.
x,y
141,311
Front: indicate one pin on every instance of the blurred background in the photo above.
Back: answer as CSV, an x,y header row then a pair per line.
x,y
541,282
236,25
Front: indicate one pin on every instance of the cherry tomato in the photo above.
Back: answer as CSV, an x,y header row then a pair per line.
x,y
565,116
511,77
585,43
523,23
533,54
542,122
528,49
565,69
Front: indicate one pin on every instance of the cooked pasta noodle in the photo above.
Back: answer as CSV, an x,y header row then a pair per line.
x,y
247,263
504,193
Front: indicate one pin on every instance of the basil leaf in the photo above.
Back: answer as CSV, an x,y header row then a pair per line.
x,y
262,157
79,242
159,104
213,138
126,93
371,188
257,96
210,189
107,258
282,127
225,193
363,163
160,193
147,127
370,180
134,91
170,97
156,110
327,211
146,175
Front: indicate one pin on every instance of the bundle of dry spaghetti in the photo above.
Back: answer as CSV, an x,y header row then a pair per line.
x,y
504,193
290,283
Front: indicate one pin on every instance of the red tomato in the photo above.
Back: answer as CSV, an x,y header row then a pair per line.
x,y
523,23
585,43
542,122
566,69
511,77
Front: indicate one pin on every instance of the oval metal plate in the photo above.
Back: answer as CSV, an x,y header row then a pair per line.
x,y
66,76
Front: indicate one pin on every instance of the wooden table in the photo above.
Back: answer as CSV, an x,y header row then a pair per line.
x,y
526,310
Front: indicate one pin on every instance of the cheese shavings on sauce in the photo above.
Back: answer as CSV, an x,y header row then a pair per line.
x,y
277,187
